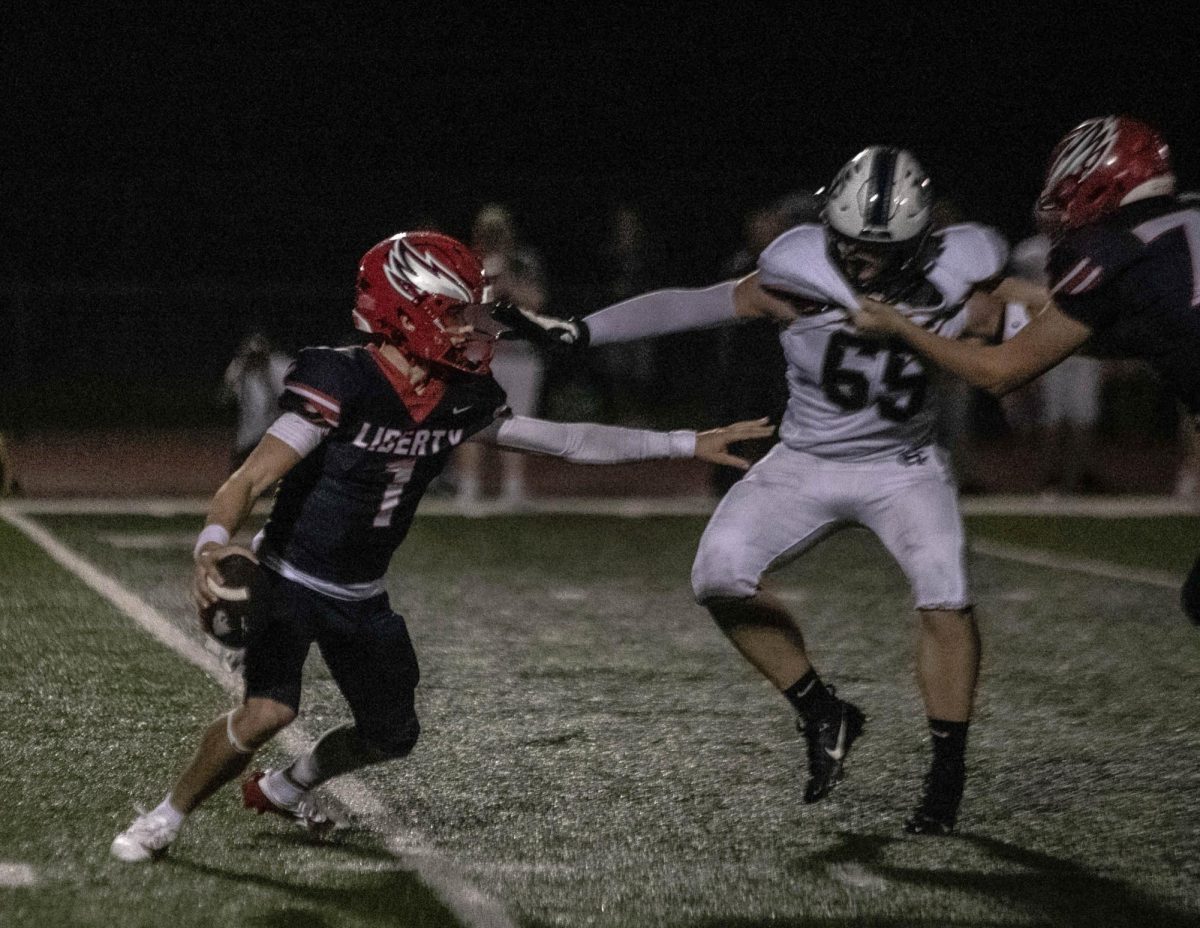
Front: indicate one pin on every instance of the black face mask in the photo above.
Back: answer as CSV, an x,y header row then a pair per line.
x,y
890,270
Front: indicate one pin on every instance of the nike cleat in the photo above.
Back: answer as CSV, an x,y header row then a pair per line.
x,y
829,740
146,839
938,810
304,813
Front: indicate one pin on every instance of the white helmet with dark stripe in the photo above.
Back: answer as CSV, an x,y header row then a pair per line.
x,y
880,213
881,195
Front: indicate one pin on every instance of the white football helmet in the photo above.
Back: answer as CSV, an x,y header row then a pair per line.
x,y
880,216
882,194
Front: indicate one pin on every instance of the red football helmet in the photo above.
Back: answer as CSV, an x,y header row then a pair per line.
x,y
415,289
1100,165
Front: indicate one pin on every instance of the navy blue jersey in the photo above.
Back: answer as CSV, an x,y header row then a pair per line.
x,y
1134,280
343,510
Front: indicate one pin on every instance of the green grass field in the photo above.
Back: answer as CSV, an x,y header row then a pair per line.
x,y
596,754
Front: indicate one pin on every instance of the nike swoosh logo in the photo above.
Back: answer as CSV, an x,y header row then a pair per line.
x,y
939,734
458,410
839,751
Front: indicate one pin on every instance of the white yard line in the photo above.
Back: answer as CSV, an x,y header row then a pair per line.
x,y
1040,557
150,541
854,875
16,876
469,905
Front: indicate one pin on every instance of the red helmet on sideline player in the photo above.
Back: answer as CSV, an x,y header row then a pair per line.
x,y
414,287
1099,165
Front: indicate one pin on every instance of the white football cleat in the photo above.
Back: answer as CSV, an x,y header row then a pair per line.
x,y
304,812
146,839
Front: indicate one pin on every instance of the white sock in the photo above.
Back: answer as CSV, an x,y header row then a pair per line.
x,y
281,790
169,813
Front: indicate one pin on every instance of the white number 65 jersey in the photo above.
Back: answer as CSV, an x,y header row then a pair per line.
x,y
855,398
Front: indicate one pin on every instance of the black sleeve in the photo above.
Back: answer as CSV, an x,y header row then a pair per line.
x,y
1081,267
318,385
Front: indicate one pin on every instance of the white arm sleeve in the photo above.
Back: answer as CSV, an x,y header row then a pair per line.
x,y
585,443
661,312
297,433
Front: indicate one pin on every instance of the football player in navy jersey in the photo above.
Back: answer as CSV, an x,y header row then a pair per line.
x,y
1124,270
363,432
857,446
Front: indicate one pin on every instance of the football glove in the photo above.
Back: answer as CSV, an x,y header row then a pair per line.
x,y
540,330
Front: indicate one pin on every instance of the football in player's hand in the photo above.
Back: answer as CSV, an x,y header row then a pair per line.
x,y
233,618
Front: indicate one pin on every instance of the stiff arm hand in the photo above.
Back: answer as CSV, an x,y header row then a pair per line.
x,y
876,318
713,446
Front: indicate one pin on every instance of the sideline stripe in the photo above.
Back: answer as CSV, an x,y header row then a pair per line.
x,y
468,904
1040,557
1101,507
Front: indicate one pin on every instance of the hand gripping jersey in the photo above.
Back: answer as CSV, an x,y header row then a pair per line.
x,y
852,397
343,510
1134,279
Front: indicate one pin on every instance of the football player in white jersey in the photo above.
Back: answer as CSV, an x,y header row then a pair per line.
x,y
857,446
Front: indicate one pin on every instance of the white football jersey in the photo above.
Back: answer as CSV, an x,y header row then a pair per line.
x,y
852,397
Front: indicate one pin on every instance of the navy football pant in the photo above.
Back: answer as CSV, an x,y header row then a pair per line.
x,y
365,645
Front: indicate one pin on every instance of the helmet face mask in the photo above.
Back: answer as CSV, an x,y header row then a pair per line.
x,y
880,213
416,290
1099,166
872,264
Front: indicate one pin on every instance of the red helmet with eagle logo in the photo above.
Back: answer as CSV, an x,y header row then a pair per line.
x,y
1100,165
421,291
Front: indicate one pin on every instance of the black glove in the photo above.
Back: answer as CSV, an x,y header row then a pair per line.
x,y
540,330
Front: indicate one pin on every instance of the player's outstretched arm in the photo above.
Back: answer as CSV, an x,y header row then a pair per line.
x,y
659,312
267,463
713,445
587,443
999,369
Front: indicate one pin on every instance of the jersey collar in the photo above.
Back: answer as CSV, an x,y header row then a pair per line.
x,y
419,401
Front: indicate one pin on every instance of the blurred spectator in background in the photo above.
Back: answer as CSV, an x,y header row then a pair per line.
x,y
1067,407
1187,477
961,409
517,275
8,479
254,382
624,375
751,365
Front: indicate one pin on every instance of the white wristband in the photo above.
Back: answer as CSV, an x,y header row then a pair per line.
x,y
217,534
683,443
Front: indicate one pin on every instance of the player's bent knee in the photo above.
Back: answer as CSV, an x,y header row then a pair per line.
x,y
392,743
720,572
266,716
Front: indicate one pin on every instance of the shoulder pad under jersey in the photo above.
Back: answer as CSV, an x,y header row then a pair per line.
x,y
970,254
319,383
798,262
1087,258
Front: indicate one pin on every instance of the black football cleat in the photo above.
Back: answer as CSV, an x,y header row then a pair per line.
x,y
938,810
829,740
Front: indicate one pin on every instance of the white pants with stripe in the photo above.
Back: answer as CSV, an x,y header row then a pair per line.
x,y
789,501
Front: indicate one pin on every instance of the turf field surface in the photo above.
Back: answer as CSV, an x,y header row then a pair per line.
x,y
596,754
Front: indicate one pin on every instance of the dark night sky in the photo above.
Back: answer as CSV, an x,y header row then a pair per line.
x,y
144,145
